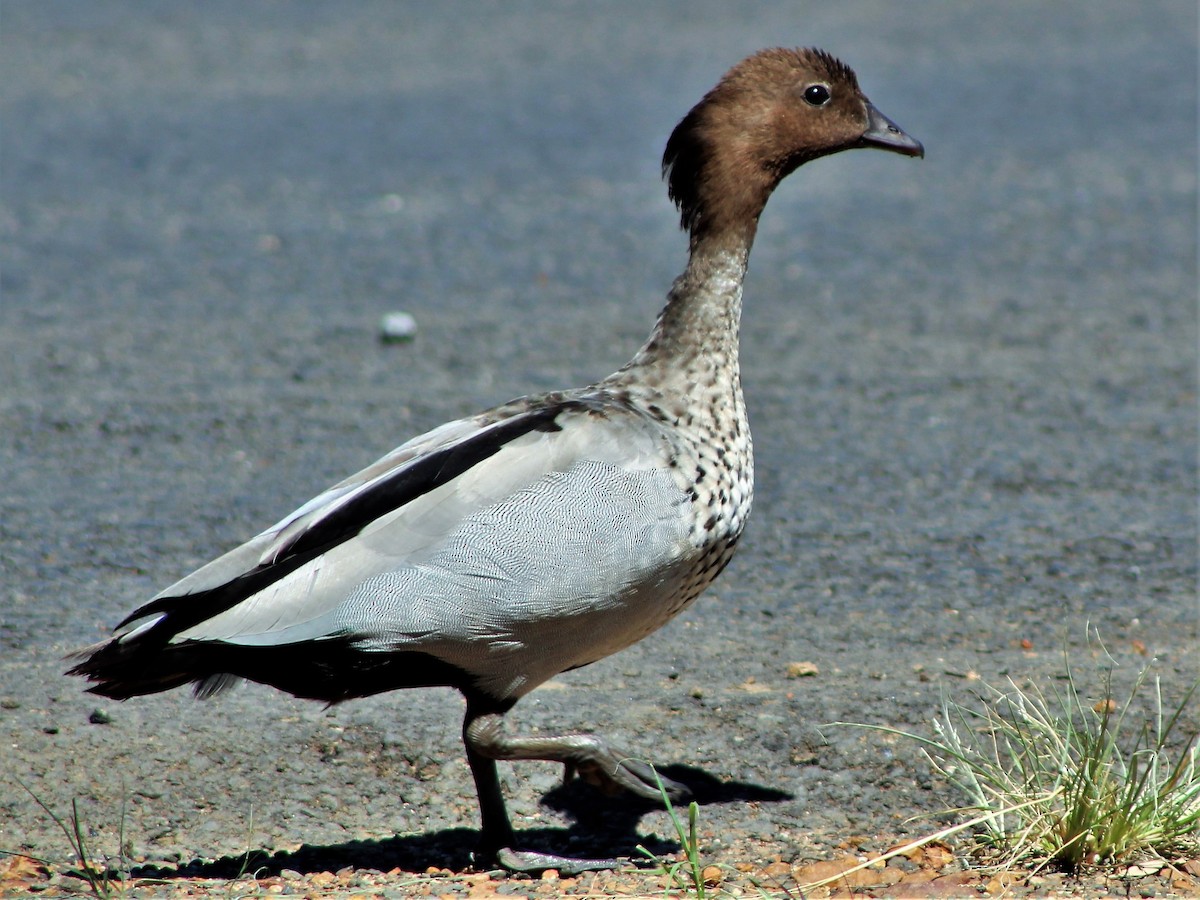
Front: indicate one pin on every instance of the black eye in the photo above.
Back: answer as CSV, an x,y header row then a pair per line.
x,y
817,94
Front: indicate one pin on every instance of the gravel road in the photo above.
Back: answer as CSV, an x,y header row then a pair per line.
x,y
972,382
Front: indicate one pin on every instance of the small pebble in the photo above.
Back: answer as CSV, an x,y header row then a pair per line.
x,y
802,669
269,243
397,326
100,717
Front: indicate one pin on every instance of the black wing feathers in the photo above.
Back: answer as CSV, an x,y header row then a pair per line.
x,y
405,485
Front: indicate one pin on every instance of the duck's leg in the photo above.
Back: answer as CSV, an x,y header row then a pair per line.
x,y
591,756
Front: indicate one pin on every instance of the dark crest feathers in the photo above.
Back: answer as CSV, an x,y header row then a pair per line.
x,y
687,150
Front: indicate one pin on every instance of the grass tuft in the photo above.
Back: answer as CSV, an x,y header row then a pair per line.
x,y
1068,782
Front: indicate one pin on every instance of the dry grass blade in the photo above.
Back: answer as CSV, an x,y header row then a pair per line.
x,y
1069,783
906,849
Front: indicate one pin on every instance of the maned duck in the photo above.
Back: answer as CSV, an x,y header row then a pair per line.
x,y
497,551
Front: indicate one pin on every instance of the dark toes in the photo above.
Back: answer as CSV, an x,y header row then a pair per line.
x,y
650,783
611,771
531,862
677,791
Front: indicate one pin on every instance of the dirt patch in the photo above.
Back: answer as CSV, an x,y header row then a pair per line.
x,y
930,872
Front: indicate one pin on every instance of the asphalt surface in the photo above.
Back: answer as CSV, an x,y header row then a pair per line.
x,y
972,382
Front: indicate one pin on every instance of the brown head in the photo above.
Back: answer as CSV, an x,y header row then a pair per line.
x,y
771,113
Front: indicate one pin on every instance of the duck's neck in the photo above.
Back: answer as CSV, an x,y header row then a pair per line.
x,y
693,349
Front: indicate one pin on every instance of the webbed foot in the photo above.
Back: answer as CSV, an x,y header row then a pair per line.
x,y
533,862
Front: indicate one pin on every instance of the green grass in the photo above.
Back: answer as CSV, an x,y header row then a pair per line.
x,y
110,878
104,879
1057,779
686,874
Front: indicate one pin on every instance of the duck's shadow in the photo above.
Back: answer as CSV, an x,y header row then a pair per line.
x,y
602,827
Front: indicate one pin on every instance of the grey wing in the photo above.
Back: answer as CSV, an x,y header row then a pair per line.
x,y
272,544
576,565
538,521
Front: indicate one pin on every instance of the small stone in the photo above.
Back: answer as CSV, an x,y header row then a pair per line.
x,y
1141,871
802,669
269,243
9,703
100,717
391,203
397,326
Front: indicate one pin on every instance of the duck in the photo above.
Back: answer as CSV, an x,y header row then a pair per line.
x,y
502,549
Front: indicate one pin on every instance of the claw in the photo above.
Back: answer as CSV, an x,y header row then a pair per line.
x,y
625,773
609,783
646,781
